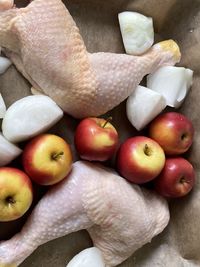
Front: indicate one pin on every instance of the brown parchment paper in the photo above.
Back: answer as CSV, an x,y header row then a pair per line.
x,y
179,244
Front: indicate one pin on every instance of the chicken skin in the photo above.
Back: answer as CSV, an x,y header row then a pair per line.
x,y
120,217
44,43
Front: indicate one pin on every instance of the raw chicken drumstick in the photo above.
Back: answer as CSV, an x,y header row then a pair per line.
x,y
44,43
119,217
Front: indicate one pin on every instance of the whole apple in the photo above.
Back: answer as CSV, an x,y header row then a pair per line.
x,y
16,193
96,139
47,159
173,131
176,179
140,159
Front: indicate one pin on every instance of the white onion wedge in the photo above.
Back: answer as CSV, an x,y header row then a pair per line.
x,y
2,107
137,32
4,64
143,105
90,257
172,82
30,116
8,151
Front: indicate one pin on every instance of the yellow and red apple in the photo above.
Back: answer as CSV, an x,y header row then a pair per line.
x,y
176,179
96,139
173,131
47,159
16,193
140,159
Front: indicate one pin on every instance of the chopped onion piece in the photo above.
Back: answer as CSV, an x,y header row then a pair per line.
x,y
172,82
137,32
8,151
90,257
4,64
143,105
30,116
2,107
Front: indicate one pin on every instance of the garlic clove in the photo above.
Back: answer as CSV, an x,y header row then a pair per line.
x,y
90,257
4,64
137,32
143,105
8,151
2,107
30,116
172,82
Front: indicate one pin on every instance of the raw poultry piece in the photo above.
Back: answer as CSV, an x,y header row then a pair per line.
x,y
44,43
6,4
119,217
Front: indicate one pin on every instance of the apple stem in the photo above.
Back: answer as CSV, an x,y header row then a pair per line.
x,y
109,119
147,150
183,136
57,155
10,200
182,180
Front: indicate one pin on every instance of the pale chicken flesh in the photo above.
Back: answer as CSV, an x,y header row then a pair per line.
x,y
120,217
44,43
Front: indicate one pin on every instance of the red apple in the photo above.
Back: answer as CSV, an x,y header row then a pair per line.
x,y
16,193
47,159
140,159
96,139
176,179
173,131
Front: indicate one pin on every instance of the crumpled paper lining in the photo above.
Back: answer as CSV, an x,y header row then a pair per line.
x,y
179,244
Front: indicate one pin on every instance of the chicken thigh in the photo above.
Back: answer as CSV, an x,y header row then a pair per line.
x,y
120,217
44,43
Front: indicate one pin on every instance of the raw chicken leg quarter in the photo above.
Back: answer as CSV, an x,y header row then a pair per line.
x,y
82,84
96,199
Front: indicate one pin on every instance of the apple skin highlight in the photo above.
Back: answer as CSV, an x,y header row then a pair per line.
x,y
96,139
176,179
39,164
16,193
140,159
173,131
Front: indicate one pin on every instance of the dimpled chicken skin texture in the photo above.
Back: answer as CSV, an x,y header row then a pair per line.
x,y
120,217
44,43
